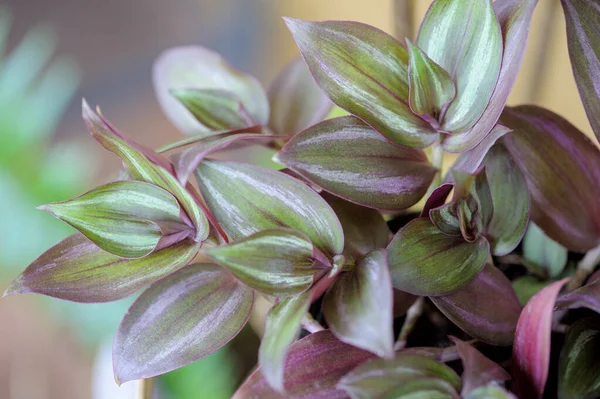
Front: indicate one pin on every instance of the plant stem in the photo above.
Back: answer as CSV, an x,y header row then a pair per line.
x,y
311,325
145,388
585,267
437,161
413,314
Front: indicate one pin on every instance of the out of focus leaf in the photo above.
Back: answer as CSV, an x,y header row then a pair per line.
x,y
276,262
364,229
425,261
195,67
447,26
79,271
426,388
531,350
296,101
431,89
247,199
145,165
490,392
527,286
364,71
359,306
304,374
514,17
215,109
281,330
562,169
511,201
126,218
579,363
487,308
583,35
543,252
587,296
348,158
377,376
180,319
478,371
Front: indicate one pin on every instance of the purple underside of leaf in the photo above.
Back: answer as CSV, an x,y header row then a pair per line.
x,y
348,158
531,350
514,17
178,320
77,270
313,368
469,161
587,296
487,308
437,198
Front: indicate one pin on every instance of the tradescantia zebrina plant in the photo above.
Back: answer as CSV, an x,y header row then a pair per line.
x,y
333,239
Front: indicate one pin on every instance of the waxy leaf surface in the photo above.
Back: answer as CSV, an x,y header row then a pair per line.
x,y
583,35
195,67
514,17
562,169
276,262
304,374
464,38
246,199
296,100
77,270
126,218
425,261
180,319
358,306
578,366
377,376
531,350
348,158
364,71
487,308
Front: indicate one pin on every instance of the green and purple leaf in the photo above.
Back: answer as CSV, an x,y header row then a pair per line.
x,y
296,101
77,270
246,199
514,17
198,68
587,296
478,371
126,218
531,350
364,71
375,377
487,308
348,158
583,35
425,261
277,262
470,161
178,320
490,392
313,367
281,331
358,306
579,363
562,169
464,38
426,388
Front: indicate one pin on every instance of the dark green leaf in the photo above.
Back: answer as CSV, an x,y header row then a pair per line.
x,y
527,286
178,320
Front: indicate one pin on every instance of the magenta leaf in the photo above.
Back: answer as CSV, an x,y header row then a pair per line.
x,y
349,159
478,371
583,34
313,367
514,17
364,71
531,350
358,306
487,308
178,320
296,101
562,169
587,296
79,271
195,67
246,199
425,261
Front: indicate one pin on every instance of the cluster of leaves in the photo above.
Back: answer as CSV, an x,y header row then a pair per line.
x,y
315,230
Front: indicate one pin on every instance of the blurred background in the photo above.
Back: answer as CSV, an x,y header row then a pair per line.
x,y
54,53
